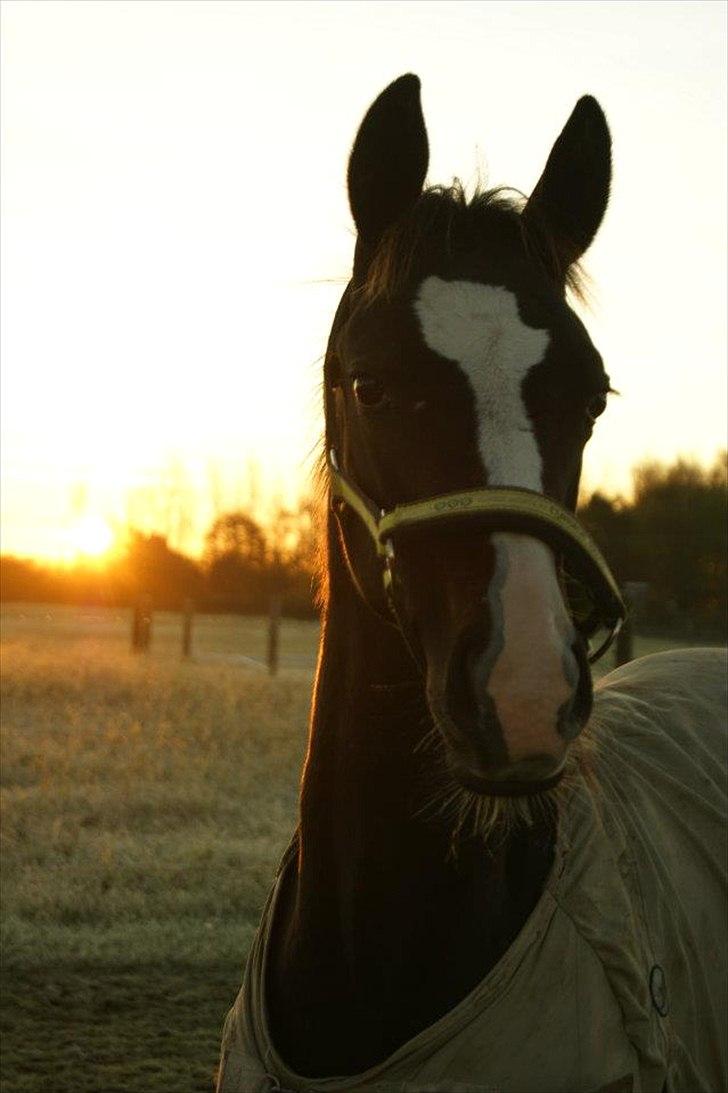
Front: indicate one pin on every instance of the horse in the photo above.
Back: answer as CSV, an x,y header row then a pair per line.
x,y
503,877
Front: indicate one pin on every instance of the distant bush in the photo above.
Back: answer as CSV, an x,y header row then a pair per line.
x,y
672,537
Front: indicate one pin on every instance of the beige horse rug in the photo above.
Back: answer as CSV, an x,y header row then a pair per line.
x,y
618,979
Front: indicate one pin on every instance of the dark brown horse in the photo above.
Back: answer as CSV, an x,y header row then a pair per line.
x,y
453,678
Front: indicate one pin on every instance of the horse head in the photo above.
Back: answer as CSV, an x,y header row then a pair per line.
x,y
455,366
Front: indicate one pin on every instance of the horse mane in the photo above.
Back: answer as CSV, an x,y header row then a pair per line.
x,y
320,581
448,214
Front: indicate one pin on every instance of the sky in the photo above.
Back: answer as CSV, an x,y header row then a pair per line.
x,y
176,234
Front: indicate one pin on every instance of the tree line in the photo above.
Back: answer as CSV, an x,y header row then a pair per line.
x,y
244,563
669,539
672,539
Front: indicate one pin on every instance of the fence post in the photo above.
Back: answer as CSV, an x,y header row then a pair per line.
x,y
624,645
274,625
141,626
187,618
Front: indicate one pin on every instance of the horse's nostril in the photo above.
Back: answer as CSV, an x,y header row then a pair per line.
x,y
505,708
470,708
465,670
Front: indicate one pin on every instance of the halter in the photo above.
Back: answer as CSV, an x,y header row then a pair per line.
x,y
594,601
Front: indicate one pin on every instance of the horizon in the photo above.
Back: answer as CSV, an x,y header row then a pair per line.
x,y
97,545
167,222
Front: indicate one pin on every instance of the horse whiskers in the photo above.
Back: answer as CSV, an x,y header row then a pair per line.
x,y
443,794
494,819
438,806
491,819
468,804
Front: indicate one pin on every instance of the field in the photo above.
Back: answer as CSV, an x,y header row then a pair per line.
x,y
146,800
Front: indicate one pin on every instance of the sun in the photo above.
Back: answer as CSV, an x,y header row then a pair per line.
x,y
91,536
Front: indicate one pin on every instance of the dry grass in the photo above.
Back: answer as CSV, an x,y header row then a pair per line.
x,y
145,804
146,801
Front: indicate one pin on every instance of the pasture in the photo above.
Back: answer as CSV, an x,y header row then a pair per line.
x,y
146,800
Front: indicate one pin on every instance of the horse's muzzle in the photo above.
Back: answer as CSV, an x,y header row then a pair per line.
x,y
511,739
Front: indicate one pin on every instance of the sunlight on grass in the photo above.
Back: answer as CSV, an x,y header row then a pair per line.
x,y
146,802
146,799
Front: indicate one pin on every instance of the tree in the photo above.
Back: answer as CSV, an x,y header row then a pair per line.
x,y
293,556
236,555
150,566
609,521
680,531
238,534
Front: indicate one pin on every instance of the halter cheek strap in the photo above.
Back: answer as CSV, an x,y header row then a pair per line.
x,y
500,508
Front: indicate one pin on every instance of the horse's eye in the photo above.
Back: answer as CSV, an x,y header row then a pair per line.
x,y
369,391
597,406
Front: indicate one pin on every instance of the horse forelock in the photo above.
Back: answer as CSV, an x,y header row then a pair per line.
x,y
445,215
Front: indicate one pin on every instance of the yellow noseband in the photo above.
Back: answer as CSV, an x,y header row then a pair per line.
x,y
501,508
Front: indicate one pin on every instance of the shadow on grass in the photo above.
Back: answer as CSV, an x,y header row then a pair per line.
x,y
87,1028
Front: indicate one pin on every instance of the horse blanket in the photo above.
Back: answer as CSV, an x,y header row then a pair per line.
x,y
617,981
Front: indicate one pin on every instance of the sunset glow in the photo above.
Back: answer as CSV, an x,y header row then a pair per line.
x,y
91,537
176,235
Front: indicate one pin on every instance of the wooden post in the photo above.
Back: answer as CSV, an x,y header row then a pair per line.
x,y
187,618
274,625
141,626
624,645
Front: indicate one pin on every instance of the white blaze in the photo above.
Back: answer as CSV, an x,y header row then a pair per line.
x,y
478,327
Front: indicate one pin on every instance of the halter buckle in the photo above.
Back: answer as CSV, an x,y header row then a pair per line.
x,y
388,572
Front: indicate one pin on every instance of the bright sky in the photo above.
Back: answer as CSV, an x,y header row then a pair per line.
x,y
175,230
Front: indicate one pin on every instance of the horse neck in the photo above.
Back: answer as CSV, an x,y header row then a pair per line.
x,y
365,836
383,929
358,796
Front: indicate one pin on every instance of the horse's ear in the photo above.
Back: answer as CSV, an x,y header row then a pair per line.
x,y
571,196
388,162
